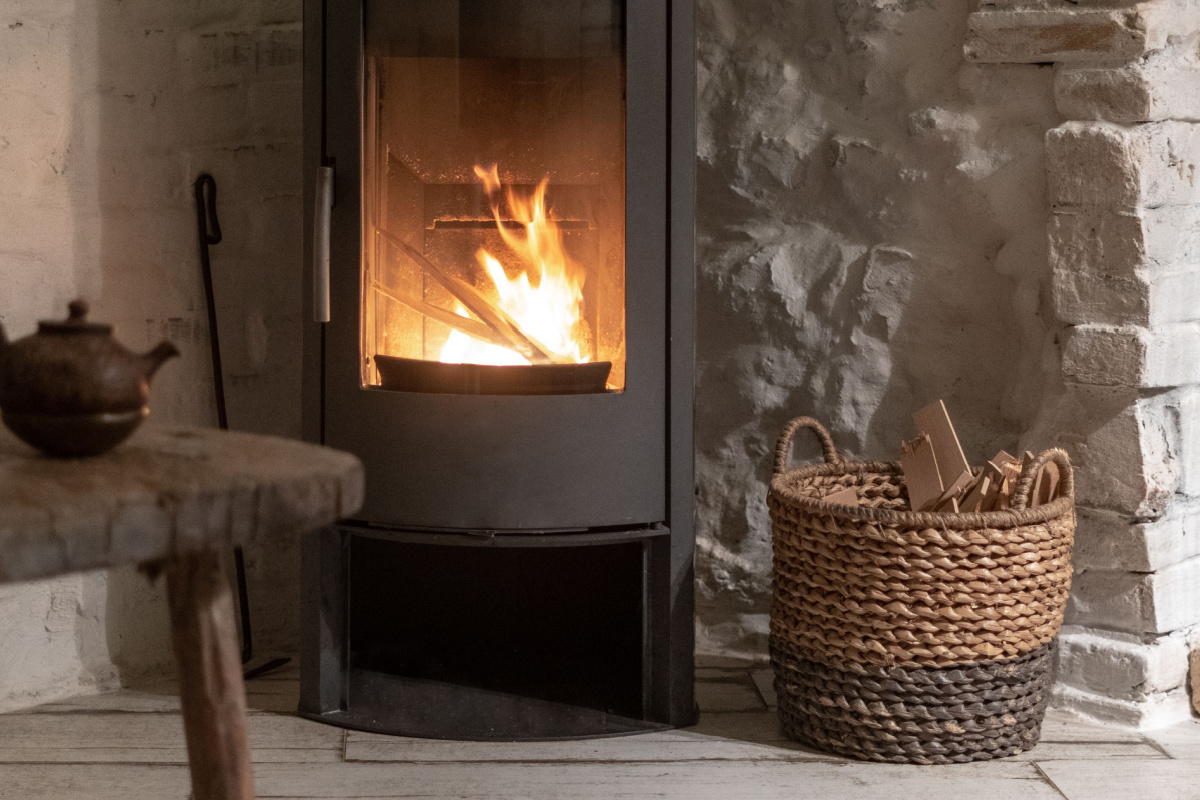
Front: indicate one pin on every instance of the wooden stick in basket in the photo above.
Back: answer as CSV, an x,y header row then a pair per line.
x,y
950,497
934,422
920,466
975,498
845,497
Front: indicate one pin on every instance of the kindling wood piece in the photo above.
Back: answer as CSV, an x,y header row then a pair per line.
x,y
973,501
846,497
1002,471
495,317
172,499
934,422
471,327
1012,475
955,490
921,476
937,453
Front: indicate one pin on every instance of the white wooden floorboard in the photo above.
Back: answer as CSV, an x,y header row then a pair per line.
x,y
729,736
731,695
1165,779
739,780
1063,726
154,738
1180,741
719,673
71,750
1083,751
276,696
745,726
279,697
94,782
727,662
667,746
662,747
125,700
669,781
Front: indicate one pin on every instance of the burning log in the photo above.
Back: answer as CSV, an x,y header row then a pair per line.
x,y
472,328
492,315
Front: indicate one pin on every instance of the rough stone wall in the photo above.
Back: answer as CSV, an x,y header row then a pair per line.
x,y
111,109
1124,251
871,237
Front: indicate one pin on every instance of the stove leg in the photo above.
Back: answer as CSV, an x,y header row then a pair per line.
x,y
204,637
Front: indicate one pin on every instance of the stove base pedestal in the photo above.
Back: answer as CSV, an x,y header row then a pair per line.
x,y
433,710
493,637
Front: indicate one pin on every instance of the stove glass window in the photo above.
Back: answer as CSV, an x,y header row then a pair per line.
x,y
494,196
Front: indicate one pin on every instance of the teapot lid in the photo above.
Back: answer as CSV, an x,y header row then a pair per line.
x,y
76,323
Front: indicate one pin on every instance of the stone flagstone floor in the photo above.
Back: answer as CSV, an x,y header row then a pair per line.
x,y
128,745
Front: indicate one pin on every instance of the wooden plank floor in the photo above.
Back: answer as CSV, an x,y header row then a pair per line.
x,y
128,745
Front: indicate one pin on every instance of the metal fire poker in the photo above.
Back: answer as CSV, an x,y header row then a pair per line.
x,y
208,229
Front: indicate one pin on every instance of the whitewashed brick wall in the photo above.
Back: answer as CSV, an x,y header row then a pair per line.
x,y
108,111
1124,246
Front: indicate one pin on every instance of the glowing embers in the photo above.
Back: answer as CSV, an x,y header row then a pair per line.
x,y
548,312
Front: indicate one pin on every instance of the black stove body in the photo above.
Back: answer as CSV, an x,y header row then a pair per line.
x,y
505,183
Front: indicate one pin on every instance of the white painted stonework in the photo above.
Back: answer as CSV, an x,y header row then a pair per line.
x,y
1122,180
1120,665
896,202
1119,166
109,112
838,144
870,237
1065,32
1107,540
1128,355
1158,86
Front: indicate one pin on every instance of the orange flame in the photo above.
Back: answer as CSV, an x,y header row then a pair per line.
x,y
548,312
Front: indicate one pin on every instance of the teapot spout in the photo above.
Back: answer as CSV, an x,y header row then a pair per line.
x,y
155,358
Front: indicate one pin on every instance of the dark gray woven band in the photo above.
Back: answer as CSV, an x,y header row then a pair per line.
x,y
910,715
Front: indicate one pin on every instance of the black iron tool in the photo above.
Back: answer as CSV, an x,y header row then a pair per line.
x,y
209,230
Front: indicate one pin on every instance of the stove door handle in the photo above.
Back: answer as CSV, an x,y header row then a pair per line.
x,y
322,220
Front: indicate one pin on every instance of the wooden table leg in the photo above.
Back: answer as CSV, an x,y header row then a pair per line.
x,y
204,637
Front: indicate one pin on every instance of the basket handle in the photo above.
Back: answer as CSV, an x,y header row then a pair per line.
x,y
1033,468
783,447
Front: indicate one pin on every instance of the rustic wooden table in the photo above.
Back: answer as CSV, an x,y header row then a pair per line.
x,y
173,500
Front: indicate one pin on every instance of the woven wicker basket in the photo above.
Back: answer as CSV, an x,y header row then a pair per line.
x,y
906,636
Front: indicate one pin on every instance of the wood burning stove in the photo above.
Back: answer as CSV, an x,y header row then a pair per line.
x,y
502,289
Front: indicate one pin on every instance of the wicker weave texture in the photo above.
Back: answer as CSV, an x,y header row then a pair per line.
x,y
907,636
881,585
920,716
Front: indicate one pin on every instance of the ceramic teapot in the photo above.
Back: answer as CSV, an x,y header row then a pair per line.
x,y
71,390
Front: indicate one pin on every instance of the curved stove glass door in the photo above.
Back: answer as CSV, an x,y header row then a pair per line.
x,y
494,196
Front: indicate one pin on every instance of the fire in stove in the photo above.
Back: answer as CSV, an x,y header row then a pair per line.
x,y
494,210
518,325
543,301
